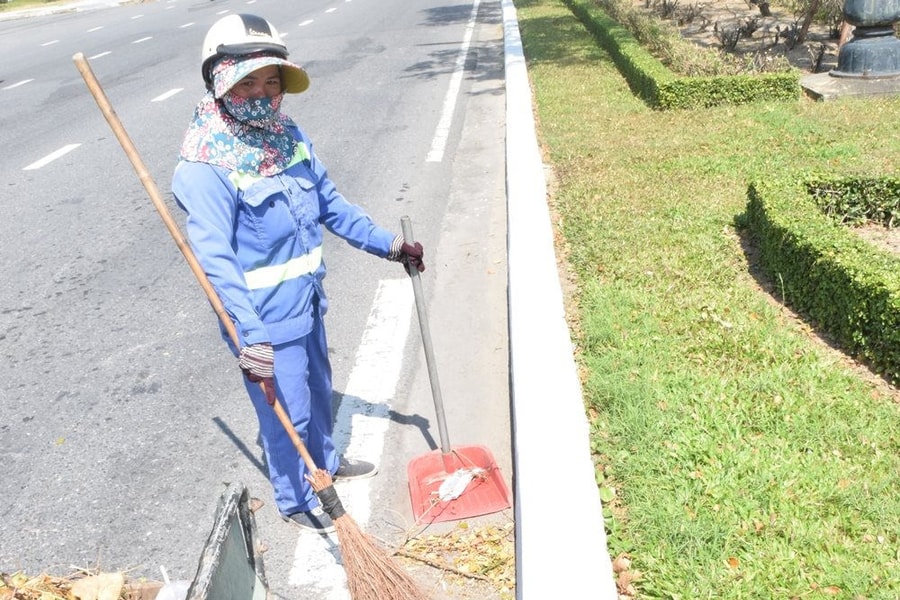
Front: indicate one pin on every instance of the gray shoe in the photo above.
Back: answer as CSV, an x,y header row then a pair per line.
x,y
316,520
350,469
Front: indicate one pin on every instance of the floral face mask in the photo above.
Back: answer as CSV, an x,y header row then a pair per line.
x,y
257,112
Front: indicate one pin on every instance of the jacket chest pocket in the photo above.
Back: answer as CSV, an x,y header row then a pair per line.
x,y
304,203
266,213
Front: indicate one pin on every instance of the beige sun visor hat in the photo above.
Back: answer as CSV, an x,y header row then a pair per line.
x,y
241,35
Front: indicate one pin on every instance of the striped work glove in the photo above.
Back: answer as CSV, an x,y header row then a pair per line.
x,y
408,254
257,361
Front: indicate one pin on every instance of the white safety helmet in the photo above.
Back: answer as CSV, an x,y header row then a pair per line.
x,y
241,35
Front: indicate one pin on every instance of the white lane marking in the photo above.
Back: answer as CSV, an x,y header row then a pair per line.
x,y
50,43
137,17
99,55
93,29
252,2
15,85
51,157
186,25
143,39
364,412
167,95
305,23
330,10
442,133
222,12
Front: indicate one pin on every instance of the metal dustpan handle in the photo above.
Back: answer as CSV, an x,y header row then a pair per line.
x,y
406,227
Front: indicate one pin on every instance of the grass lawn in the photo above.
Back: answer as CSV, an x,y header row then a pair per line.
x,y
741,456
12,5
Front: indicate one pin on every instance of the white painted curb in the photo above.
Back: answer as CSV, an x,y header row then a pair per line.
x,y
560,539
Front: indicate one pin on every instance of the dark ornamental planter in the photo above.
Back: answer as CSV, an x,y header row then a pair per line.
x,y
874,51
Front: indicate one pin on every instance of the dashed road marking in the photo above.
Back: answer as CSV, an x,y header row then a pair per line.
x,y
167,95
20,83
51,157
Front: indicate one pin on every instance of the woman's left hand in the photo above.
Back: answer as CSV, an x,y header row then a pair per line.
x,y
411,256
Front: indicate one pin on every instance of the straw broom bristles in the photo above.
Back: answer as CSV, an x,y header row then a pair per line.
x,y
371,573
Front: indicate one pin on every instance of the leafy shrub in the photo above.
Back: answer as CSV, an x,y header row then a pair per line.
x,y
848,287
660,87
856,201
664,41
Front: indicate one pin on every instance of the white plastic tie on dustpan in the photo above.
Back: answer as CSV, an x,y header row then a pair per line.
x,y
453,487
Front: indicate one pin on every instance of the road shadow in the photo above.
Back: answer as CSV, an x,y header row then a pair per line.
x,y
354,405
484,62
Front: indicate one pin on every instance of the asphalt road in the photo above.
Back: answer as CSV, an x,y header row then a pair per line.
x,y
123,415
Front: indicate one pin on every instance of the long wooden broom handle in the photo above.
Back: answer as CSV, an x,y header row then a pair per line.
x,y
131,152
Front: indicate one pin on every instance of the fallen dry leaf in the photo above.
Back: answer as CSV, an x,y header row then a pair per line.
x,y
621,563
624,579
103,586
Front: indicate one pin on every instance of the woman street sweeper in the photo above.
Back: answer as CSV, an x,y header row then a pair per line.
x,y
257,199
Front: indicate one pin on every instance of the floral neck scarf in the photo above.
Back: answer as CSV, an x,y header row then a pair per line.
x,y
238,134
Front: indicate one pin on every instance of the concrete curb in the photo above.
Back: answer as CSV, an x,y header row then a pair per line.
x,y
560,535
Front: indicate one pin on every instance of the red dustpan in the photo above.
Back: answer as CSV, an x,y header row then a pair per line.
x,y
450,483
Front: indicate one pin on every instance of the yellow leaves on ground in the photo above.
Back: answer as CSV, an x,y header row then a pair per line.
x,y
484,552
19,586
103,586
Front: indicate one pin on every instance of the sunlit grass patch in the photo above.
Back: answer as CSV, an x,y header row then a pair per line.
x,y
739,455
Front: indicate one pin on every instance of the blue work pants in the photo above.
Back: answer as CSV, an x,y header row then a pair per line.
x,y
303,385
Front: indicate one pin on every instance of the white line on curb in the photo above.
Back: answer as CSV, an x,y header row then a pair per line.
x,y
543,366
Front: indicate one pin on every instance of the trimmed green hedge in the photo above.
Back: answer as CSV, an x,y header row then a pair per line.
x,y
663,89
848,287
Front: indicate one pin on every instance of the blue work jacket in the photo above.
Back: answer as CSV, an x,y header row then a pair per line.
x,y
259,239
